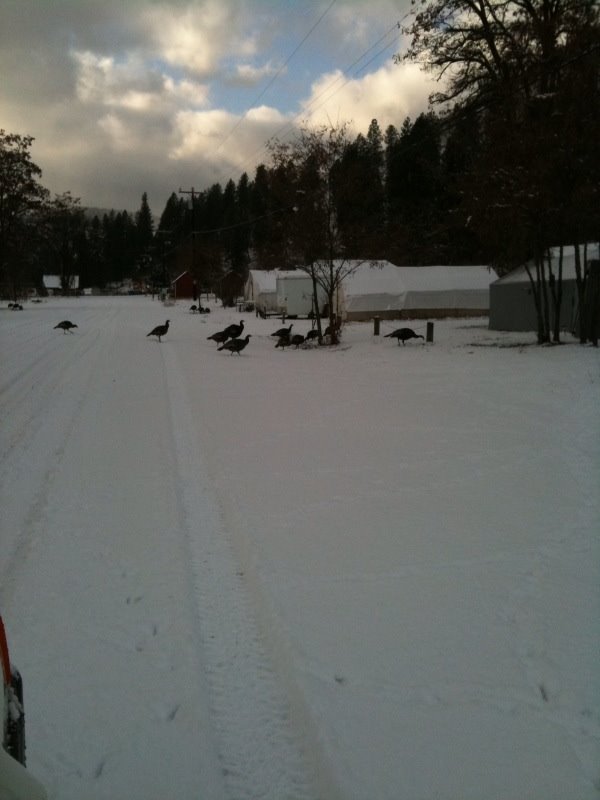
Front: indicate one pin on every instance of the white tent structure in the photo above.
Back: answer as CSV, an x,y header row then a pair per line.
x,y
447,291
261,289
512,306
371,289
390,292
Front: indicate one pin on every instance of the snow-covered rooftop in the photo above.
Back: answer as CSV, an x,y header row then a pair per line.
x,y
519,275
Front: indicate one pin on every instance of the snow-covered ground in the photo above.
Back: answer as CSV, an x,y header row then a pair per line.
x,y
368,573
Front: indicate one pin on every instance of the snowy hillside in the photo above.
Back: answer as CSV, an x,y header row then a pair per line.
x,y
368,573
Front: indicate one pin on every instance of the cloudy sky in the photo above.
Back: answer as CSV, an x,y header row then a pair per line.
x,y
132,96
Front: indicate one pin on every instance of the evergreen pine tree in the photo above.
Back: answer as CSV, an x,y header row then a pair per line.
x,y
144,225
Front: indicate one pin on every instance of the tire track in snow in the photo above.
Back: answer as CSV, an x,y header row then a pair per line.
x,y
45,373
23,514
48,378
259,754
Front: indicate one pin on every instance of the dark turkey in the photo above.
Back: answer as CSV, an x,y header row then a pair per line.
x,y
234,331
283,342
219,337
160,330
403,335
235,345
65,326
284,332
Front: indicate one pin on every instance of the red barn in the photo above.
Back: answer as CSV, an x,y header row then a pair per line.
x,y
184,287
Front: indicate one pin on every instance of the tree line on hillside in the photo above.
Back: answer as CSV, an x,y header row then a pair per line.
x,y
392,191
43,234
393,197
504,166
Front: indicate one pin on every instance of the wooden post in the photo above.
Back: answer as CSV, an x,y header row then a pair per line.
x,y
430,331
376,321
590,319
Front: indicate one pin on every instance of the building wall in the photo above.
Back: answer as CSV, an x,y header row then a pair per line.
x,y
512,307
295,295
230,288
183,287
264,300
417,313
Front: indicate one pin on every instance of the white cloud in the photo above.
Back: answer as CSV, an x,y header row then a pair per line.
x,y
249,75
128,97
195,37
119,134
213,135
186,92
104,81
354,28
93,76
264,115
197,133
389,95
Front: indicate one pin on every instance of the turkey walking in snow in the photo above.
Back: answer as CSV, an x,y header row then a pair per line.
x,y
219,337
283,342
403,335
235,345
160,330
297,339
65,326
234,331
284,332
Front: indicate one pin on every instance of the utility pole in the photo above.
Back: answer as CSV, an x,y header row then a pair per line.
x,y
192,192
164,243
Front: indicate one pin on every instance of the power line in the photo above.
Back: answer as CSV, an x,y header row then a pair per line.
x,y
274,78
311,105
245,222
288,126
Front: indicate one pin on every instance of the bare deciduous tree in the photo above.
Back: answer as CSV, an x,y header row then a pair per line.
x,y
318,244
529,69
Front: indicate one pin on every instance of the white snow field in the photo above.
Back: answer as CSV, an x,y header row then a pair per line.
x,y
362,573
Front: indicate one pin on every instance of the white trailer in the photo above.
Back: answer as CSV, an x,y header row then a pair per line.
x,y
295,294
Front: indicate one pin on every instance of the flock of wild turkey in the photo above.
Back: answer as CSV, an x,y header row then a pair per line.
x,y
230,338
